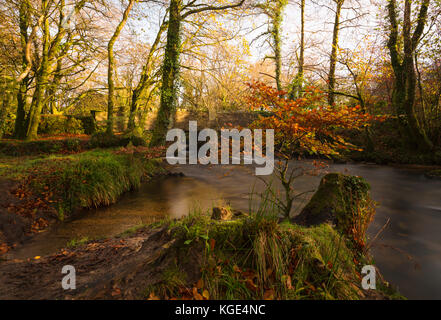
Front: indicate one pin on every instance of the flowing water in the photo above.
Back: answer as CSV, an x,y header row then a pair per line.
x,y
408,252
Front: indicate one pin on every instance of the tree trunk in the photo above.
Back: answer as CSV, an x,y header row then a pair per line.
x,y
403,96
146,78
297,85
20,120
6,103
277,42
20,125
41,80
170,74
111,68
333,59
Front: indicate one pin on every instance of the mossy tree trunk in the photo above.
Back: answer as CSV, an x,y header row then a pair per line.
x,y
20,127
403,96
297,85
8,96
277,21
41,79
273,9
111,68
334,52
170,75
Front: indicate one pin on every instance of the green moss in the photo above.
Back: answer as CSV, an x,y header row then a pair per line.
x,y
74,243
338,193
343,201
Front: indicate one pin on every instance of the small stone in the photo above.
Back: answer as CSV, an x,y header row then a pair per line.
x,y
221,214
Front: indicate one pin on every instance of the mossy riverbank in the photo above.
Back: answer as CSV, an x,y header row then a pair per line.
x,y
40,190
199,258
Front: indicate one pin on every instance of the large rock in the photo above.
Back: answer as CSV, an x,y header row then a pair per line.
x,y
342,201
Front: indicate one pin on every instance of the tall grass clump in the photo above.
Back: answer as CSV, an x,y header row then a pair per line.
x,y
255,257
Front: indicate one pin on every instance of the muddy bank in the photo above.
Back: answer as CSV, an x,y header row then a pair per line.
x,y
107,269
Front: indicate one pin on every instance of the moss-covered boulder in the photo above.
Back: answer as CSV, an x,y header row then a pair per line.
x,y
342,201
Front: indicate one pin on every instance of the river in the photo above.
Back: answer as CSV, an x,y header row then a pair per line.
x,y
408,251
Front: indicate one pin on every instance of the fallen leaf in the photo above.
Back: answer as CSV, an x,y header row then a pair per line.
x,y
206,295
116,292
212,243
197,296
200,284
152,296
268,295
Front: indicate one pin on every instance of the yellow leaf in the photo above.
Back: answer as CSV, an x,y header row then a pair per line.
x,y
37,258
206,295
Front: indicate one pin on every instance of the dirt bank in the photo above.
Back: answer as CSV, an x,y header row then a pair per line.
x,y
109,269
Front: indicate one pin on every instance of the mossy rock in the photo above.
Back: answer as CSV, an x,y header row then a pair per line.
x,y
339,200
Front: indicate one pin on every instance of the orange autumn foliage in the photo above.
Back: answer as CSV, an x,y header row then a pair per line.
x,y
307,125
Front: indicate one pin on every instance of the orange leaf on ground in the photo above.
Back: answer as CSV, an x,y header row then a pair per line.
x,y
197,296
212,243
116,292
268,295
152,296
